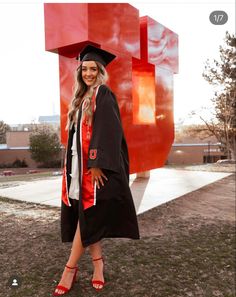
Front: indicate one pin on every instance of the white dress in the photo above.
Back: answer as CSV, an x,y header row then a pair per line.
x,y
74,185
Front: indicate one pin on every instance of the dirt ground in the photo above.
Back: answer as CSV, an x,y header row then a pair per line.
x,y
187,248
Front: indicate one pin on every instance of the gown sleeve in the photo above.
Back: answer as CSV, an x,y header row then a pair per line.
x,y
106,140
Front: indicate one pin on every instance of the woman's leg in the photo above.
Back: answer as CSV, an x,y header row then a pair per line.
x,y
76,252
77,249
96,252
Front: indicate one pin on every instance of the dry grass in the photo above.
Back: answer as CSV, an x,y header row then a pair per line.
x,y
176,256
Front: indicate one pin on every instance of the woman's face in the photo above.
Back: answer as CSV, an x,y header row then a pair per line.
x,y
89,72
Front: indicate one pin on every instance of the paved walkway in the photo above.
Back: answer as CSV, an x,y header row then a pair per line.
x,y
163,185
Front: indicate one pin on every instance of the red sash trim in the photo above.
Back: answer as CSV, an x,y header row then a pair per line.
x,y
64,194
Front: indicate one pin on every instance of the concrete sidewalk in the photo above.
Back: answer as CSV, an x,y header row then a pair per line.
x,y
163,185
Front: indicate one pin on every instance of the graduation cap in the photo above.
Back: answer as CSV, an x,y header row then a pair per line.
x,y
92,53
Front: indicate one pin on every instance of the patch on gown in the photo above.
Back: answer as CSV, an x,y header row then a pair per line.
x,y
93,154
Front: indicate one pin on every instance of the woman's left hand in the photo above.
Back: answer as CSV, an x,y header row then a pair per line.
x,y
97,176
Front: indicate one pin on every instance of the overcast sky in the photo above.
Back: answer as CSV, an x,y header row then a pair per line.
x,y
29,76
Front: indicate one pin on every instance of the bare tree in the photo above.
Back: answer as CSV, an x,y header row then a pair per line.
x,y
3,129
222,74
193,131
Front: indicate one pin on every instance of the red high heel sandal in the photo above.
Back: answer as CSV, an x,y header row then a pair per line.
x,y
98,282
64,289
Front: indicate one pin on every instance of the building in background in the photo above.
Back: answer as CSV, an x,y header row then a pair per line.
x,y
192,150
195,153
16,147
51,119
17,140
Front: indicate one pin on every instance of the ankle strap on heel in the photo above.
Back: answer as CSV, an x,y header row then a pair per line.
x,y
101,258
71,267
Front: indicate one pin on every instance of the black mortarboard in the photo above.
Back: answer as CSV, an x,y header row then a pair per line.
x,y
92,53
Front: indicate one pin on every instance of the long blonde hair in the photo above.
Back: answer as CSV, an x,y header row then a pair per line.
x,y
80,89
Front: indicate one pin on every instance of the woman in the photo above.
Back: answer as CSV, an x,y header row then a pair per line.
x,y
96,198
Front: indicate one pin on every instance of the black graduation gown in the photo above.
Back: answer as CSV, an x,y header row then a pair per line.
x,y
114,213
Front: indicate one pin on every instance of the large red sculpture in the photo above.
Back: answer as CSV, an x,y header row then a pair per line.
x,y
141,76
